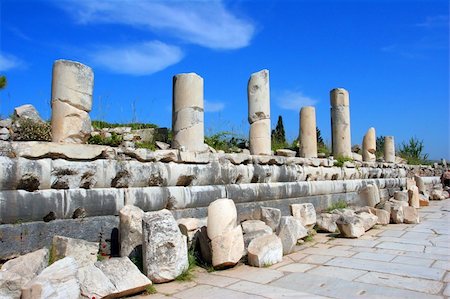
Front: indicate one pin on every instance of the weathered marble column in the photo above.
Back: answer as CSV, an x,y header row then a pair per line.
x,y
369,146
187,112
72,87
258,92
308,132
340,123
389,149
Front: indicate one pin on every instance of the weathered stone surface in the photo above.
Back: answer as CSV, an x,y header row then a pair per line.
x,y
340,123
414,197
59,280
369,220
187,112
260,139
304,212
371,195
69,124
191,224
327,222
389,149
84,252
351,226
258,92
401,196
248,237
383,216
227,248
265,251
124,275
410,215
271,216
369,146
222,217
94,283
420,184
130,229
437,195
308,133
6,123
15,273
164,247
397,215
27,111
290,230
423,200
285,153
250,226
37,149
145,155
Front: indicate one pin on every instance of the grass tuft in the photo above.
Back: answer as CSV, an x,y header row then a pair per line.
x,y
187,274
150,290
340,204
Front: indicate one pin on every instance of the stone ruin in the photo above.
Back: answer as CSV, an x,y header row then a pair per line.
x,y
70,203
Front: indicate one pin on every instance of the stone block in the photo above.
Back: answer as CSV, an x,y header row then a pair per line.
x,y
290,230
164,247
371,195
227,248
410,215
250,226
271,216
304,212
351,226
69,124
401,196
84,252
130,230
222,217
265,251
327,222
414,197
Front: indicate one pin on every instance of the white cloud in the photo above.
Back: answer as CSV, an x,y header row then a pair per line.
x,y
214,106
294,100
138,59
434,21
205,23
8,62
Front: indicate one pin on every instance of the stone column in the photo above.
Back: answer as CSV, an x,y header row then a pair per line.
x,y
340,123
308,132
259,113
187,112
369,146
72,87
389,149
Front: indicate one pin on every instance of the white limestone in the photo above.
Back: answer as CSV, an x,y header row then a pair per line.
x,y
265,251
222,217
369,146
308,132
389,149
340,123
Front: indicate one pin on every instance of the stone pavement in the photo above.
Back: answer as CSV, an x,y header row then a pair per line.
x,y
397,261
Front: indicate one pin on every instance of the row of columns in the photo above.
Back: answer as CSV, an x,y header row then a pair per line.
x,y
72,87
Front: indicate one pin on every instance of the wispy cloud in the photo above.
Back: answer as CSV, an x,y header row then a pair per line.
x,y
294,100
9,62
434,21
205,23
137,59
19,33
214,106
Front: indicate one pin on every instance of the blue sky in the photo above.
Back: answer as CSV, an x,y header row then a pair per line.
x,y
392,56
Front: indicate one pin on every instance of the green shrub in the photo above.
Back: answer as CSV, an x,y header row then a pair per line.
x,y
187,274
98,124
225,141
412,152
114,140
150,290
340,160
150,145
26,129
340,204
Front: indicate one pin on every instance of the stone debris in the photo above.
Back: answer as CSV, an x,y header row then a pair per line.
x,y
285,153
304,212
350,226
250,226
15,273
222,217
84,252
290,231
326,222
371,195
228,248
369,146
271,216
265,251
94,283
397,215
130,231
27,112
437,195
414,197
164,248
401,196
59,280
410,215
248,237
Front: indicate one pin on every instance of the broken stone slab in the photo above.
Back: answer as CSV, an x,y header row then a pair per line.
x,y
285,153
38,149
410,215
383,216
248,237
271,216
420,184
59,280
304,212
27,112
146,155
84,252
423,200
162,145
350,226
195,157
250,226
397,215
15,273
124,275
69,124
290,230
227,248
437,195
414,197
368,219
130,231
164,248
371,195
327,222
191,224
401,196
94,283
265,251
222,217
238,158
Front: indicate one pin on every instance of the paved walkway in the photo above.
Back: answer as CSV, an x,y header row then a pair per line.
x,y
397,260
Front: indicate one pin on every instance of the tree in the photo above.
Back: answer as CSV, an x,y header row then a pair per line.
x,y
2,82
278,135
320,141
412,151
380,147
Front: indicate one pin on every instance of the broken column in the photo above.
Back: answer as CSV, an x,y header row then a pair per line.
x,y
369,146
389,149
187,112
72,87
259,113
308,132
340,123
